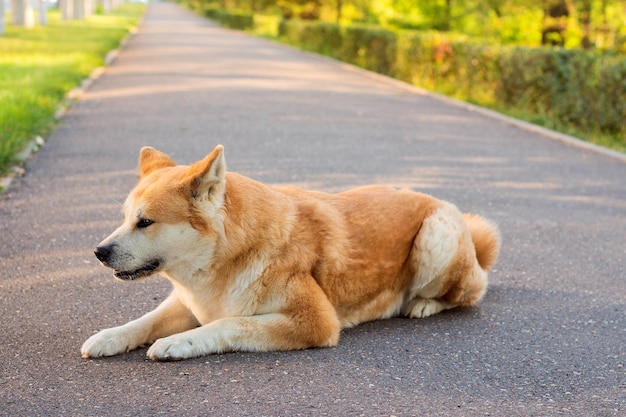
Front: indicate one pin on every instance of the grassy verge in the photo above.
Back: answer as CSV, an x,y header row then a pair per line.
x,y
39,66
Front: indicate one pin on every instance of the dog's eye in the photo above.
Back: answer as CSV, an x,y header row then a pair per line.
x,y
143,223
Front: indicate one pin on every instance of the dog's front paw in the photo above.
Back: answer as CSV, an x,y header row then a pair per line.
x,y
174,348
107,342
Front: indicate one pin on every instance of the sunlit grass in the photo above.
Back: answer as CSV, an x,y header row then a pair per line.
x,y
39,66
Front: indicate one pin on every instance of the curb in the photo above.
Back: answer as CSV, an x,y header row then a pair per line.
x,y
70,98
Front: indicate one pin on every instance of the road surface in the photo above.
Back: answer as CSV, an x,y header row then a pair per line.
x,y
548,339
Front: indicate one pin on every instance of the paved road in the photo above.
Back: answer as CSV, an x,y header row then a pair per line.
x,y
549,338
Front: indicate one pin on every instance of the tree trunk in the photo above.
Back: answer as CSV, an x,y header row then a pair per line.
x,y
2,28
42,11
107,6
448,15
585,22
555,14
339,6
67,9
22,13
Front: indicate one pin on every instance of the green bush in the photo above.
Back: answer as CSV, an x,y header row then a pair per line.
x,y
232,19
198,6
611,97
322,37
370,47
210,11
433,60
570,87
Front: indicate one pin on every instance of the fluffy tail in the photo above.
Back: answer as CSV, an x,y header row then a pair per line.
x,y
486,238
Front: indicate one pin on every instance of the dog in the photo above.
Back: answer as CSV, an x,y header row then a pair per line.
x,y
261,268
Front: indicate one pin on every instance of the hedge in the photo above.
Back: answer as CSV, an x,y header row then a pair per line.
x,y
572,86
233,19
369,47
322,37
452,65
240,20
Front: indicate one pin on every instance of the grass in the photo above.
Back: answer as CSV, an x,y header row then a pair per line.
x,y
39,66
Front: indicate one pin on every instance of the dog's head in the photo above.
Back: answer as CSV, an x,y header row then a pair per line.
x,y
171,216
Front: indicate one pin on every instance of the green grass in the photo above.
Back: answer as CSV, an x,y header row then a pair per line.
x,y
39,66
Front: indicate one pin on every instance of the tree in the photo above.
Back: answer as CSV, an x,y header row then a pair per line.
x,y
584,17
2,28
41,11
22,13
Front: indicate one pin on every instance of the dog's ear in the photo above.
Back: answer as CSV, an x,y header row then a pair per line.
x,y
206,178
150,160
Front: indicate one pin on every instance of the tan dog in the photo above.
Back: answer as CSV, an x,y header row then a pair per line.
x,y
259,268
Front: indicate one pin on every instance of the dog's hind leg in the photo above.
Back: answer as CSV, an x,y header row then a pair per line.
x,y
444,258
170,317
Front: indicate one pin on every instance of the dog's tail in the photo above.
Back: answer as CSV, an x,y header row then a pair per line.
x,y
486,238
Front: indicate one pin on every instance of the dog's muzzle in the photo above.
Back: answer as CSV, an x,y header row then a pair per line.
x,y
105,255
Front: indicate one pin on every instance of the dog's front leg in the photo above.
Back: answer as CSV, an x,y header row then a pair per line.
x,y
305,319
170,317
260,333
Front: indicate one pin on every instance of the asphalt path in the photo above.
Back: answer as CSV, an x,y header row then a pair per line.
x,y
548,339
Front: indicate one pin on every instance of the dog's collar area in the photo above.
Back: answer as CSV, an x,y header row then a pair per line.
x,y
144,271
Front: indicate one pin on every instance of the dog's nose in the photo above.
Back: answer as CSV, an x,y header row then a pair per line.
x,y
102,253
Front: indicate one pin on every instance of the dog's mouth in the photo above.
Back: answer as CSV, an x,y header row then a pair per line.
x,y
146,270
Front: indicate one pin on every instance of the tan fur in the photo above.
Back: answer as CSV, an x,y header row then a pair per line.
x,y
486,240
256,267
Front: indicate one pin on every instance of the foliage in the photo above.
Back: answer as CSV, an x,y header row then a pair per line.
x,y
572,86
241,20
39,66
233,19
586,23
372,48
454,65
322,37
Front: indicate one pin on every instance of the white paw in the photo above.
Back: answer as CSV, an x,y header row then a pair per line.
x,y
107,342
425,307
174,348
